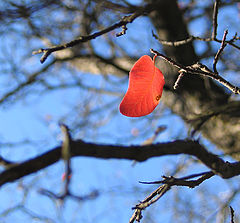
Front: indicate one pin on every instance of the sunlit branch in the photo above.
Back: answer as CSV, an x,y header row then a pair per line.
x,y
192,38
198,69
217,56
152,198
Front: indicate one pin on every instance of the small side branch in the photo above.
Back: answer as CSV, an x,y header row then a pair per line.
x,y
232,214
184,181
90,196
174,43
223,45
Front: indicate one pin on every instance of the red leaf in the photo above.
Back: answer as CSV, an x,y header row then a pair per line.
x,y
144,89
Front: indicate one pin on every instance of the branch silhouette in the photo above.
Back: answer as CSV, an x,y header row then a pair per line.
x,y
138,153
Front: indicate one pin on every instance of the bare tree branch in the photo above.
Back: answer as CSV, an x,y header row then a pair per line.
x,y
223,45
168,182
138,153
124,21
183,181
198,69
152,198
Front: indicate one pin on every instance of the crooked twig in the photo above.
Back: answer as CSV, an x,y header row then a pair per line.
x,y
232,214
122,23
152,198
217,56
184,181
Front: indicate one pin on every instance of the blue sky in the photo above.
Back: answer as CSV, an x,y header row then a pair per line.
x,y
35,118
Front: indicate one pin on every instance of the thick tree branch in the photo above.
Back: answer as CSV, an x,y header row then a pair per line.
x,y
138,153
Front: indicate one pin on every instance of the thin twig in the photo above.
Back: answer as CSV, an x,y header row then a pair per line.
x,y
232,214
174,43
223,45
159,130
191,38
180,76
215,15
152,198
122,23
169,60
90,196
183,181
168,182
